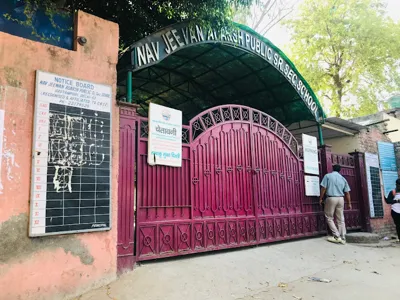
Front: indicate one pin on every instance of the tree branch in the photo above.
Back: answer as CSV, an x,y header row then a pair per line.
x,y
273,23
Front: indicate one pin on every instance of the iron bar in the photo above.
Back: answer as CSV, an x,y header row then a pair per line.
x,y
129,87
321,137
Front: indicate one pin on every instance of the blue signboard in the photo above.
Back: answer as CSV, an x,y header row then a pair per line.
x,y
387,157
389,181
12,11
387,161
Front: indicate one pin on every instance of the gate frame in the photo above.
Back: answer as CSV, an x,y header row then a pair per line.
x,y
361,181
127,240
126,258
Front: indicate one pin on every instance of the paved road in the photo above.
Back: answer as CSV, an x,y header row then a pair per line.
x,y
278,271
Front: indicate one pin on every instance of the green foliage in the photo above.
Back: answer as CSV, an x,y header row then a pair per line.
x,y
138,19
241,15
49,7
349,52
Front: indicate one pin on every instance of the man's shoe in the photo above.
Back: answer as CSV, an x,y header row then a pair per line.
x,y
335,240
343,241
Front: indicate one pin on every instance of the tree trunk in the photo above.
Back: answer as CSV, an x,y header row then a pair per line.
x,y
339,93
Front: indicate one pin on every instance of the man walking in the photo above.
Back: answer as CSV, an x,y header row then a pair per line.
x,y
336,188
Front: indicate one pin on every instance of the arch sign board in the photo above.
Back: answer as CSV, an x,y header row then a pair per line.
x,y
169,40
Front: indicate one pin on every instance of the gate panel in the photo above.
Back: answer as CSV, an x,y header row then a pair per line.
x,y
163,192
221,172
276,178
126,188
163,197
353,217
241,183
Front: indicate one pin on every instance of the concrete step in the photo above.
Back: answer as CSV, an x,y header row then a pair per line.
x,y
362,238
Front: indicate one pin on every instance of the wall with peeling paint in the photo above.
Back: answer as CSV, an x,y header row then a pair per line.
x,y
62,266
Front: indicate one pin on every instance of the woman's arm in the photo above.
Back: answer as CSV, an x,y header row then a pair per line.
x,y
390,199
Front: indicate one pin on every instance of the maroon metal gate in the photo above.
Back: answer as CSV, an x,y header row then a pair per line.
x,y
241,183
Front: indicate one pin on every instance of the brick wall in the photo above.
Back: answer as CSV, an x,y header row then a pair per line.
x,y
367,141
384,226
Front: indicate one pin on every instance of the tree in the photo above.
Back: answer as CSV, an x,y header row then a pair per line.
x,y
348,51
138,18
265,15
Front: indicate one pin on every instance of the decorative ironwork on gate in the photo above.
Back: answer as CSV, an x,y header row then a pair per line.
x,y
241,183
237,113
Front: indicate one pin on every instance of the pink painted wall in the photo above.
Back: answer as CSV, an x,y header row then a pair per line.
x,y
50,267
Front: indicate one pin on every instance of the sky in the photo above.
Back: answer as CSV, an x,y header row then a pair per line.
x,y
280,37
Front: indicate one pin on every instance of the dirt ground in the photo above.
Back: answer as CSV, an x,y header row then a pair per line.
x,y
278,271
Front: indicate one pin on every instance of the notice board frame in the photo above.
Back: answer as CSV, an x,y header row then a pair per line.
x,y
34,152
372,160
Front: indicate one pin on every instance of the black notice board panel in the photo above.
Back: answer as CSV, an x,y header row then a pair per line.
x,y
71,182
376,192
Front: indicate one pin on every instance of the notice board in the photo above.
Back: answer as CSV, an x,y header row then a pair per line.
x,y
374,185
71,169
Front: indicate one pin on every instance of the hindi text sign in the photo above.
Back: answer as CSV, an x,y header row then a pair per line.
x,y
312,186
165,136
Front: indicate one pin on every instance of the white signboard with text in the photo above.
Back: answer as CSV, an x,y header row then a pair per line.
x,y
165,136
312,185
310,151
